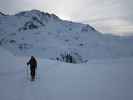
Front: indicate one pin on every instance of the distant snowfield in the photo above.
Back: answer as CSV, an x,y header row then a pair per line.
x,y
95,80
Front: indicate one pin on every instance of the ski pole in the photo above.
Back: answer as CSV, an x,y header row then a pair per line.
x,y
27,72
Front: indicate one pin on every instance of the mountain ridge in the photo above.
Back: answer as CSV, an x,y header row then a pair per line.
x,y
46,35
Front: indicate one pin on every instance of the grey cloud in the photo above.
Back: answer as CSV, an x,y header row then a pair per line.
x,y
114,16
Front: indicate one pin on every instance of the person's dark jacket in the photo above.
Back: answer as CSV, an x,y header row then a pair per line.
x,y
32,62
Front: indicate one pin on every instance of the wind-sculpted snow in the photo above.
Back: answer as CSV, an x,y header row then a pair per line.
x,y
47,36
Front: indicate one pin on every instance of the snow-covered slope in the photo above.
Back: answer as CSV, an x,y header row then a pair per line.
x,y
47,36
96,80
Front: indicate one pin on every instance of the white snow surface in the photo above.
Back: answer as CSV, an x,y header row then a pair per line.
x,y
95,80
47,36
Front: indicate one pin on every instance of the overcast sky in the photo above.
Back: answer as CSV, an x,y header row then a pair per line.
x,y
107,16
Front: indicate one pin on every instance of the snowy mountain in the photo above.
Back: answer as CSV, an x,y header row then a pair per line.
x,y
2,14
47,36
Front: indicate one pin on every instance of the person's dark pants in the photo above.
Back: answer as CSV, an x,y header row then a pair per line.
x,y
32,72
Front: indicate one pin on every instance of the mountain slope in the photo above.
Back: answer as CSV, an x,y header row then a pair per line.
x,y
47,36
